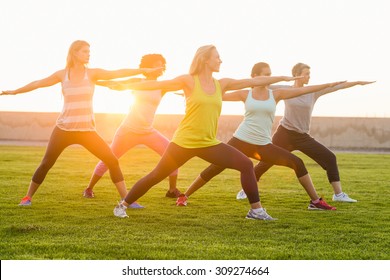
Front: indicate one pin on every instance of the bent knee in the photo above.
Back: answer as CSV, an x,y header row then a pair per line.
x,y
245,164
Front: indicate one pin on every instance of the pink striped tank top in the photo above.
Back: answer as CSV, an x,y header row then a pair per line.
x,y
77,113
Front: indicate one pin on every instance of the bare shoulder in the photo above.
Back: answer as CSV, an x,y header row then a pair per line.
x,y
60,74
186,78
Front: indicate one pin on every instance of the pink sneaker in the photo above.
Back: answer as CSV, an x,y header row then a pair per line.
x,y
181,200
26,201
321,205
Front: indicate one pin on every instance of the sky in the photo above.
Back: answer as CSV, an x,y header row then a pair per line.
x,y
339,39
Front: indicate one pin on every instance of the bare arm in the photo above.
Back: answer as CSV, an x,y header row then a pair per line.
x,y
101,74
175,84
238,95
231,84
117,85
343,86
286,93
46,82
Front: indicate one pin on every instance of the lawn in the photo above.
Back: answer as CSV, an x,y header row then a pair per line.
x,y
62,225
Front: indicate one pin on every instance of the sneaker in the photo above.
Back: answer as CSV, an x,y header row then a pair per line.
x,y
181,200
135,205
120,211
26,201
88,193
321,205
173,194
262,215
343,197
241,195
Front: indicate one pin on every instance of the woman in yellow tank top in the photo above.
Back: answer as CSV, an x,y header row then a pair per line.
x,y
196,134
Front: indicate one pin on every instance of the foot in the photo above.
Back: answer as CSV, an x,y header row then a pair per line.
x,y
120,211
181,200
135,205
343,197
173,194
321,205
241,195
26,201
261,214
88,193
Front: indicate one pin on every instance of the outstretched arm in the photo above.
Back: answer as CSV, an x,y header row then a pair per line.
x,y
46,82
175,84
343,86
232,84
238,95
117,85
101,74
286,93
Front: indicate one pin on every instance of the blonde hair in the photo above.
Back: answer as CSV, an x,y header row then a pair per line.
x,y
74,47
298,68
200,58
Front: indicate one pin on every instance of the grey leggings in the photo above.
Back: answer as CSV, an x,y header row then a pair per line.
x,y
60,139
267,153
291,140
221,155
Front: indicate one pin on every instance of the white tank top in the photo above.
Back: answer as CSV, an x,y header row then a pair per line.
x,y
256,128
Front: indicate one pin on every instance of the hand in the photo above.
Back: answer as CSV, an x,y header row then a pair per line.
x,y
362,83
152,70
7,92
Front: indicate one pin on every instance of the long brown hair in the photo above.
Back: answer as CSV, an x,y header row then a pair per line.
x,y
298,68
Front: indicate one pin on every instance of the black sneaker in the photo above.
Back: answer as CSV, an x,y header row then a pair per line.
x,y
176,193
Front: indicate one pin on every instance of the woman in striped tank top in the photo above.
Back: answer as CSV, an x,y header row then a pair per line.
x,y
196,134
76,124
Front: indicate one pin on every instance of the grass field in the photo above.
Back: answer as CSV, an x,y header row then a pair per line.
x,y
61,224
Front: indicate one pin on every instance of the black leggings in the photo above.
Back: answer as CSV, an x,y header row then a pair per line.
x,y
292,140
175,156
60,139
268,153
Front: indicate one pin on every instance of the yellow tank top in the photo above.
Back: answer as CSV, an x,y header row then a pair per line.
x,y
198,129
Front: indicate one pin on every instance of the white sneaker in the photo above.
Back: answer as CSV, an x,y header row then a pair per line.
x,y
343,197
120,211
241,195
262,215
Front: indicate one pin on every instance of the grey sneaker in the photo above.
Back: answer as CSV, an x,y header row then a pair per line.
x,y
241,195
263,215
120,211
135,205
343,197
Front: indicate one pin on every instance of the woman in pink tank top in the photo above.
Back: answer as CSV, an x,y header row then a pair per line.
x,y
76,124
137,127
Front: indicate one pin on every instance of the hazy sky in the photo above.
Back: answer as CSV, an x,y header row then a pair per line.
x,y
339,39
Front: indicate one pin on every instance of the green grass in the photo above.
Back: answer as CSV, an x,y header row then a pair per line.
x,y
61,224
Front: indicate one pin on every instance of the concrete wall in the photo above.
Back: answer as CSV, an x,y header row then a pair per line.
x,y
334,132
